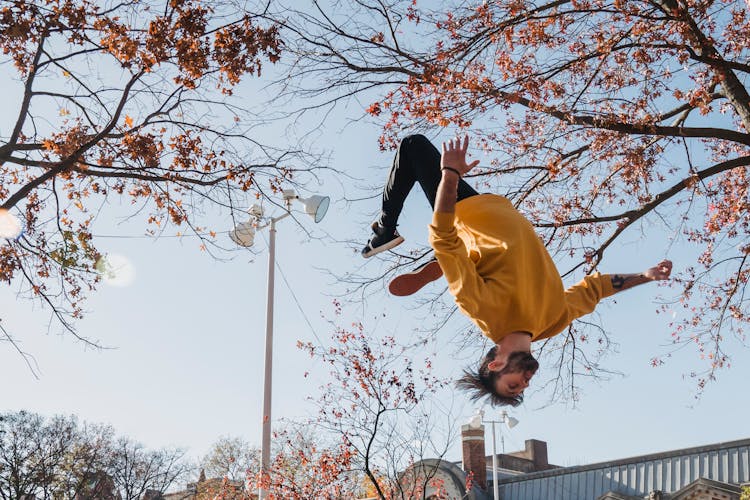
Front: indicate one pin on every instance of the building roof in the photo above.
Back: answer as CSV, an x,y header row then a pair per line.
x,y
667,472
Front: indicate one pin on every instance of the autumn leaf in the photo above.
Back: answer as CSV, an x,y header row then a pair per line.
x,y
374,109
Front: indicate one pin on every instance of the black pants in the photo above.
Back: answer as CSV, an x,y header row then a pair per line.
x,y
417,160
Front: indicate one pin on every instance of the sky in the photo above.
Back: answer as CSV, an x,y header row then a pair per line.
x,y
186,335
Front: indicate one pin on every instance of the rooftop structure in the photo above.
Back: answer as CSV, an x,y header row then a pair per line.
x,y
711,472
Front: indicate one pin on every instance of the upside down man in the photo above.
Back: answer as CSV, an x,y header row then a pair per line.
x,y
498,270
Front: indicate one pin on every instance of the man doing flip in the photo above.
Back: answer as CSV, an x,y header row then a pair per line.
x,y
497,268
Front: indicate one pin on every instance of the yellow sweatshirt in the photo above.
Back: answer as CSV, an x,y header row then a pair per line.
x,y
502,276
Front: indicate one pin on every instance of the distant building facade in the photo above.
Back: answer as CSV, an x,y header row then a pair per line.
x,y
711,472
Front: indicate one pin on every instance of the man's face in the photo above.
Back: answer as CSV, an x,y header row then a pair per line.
x,y
512,384
514,372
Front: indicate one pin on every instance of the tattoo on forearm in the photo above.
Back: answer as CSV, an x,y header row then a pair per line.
x,y
617,281
622,282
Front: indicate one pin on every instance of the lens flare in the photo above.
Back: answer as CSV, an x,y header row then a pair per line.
x,y
10,225
116,270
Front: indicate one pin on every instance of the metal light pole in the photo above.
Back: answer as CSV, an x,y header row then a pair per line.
x,y
510,422
495,488
265,448
244,235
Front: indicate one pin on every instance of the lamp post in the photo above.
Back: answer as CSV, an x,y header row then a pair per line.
x,y
510,422
244,235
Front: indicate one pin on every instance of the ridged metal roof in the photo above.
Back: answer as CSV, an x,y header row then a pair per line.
x,y
638,476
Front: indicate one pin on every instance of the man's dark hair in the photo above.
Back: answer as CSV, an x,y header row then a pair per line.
x,y
481,382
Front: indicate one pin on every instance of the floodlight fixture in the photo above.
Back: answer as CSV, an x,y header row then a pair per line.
x,y
316,205
475,422
243,234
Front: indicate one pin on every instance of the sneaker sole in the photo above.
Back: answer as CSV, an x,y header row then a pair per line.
x,y
410,283
382,248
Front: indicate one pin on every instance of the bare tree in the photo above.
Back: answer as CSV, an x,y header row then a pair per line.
x,y
232,458
87,455
58,457
135,470
31,452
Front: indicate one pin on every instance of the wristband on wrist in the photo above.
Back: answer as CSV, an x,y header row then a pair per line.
x,y
452,170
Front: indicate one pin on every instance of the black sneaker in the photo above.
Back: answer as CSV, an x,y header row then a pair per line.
x,y
384,239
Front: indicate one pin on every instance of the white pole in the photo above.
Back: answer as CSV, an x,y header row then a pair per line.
x,y
265,453
495,489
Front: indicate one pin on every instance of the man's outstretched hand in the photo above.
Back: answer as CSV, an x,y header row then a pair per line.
x,y
454,156
453,165
660,271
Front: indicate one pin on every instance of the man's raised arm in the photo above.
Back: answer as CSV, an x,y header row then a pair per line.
x,y
459,270
583,297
